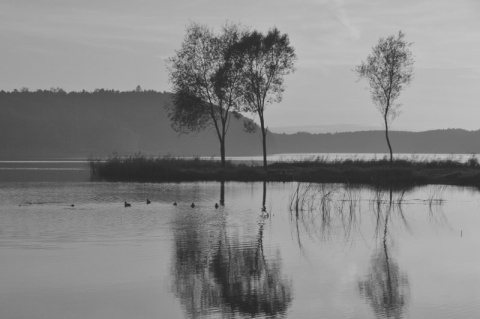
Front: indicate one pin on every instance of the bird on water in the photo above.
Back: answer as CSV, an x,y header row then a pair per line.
x,y
128,204
193,205
148,201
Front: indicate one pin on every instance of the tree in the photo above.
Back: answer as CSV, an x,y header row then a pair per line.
x,y
389,69
206,81
265,60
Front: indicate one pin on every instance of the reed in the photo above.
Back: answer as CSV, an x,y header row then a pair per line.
x,y
413,161
140,168
376,172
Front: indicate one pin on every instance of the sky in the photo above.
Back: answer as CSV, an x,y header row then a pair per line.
x,y
119,44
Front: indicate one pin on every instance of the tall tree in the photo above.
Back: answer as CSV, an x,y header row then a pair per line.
x,y
388,69
206,81
265,59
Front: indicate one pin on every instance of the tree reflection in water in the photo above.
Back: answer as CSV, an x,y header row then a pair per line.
x,y
216,271
222,193
325,210
386,287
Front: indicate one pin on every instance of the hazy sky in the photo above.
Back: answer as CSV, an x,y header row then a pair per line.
x,y
119,44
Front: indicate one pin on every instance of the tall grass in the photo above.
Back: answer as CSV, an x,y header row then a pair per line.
x,y
403,173
167,168
355,161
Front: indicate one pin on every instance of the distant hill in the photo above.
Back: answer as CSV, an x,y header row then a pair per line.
x,y
57,124
436,141
46,124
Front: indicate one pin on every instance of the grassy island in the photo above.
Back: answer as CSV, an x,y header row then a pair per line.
x,y
405,172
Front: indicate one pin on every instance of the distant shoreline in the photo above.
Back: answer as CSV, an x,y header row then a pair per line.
x,y
59,125
272,158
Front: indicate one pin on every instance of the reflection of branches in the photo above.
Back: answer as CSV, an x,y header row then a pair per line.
x,y
213,272
320,209
249,283
386,288
317,209
393,201
324,207
193,284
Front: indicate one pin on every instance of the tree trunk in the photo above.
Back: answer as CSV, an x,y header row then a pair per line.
x,y
222,151
388,141
264,142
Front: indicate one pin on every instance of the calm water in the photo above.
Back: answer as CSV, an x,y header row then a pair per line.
x,y
44,170
315,251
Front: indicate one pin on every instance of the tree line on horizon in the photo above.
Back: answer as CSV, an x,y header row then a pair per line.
x,y
216,76
56,125
60,91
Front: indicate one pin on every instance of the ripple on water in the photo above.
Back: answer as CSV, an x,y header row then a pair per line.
x,y
234,261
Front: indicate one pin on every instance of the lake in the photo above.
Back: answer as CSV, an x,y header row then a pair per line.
x,y
273,250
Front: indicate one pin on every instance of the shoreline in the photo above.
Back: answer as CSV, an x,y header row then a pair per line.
x,y
403,173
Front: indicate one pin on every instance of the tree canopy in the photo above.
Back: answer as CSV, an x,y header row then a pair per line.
x,y
265,60
388,70
206,81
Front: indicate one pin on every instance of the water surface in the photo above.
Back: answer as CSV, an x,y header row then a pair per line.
x,y
45,170
336,252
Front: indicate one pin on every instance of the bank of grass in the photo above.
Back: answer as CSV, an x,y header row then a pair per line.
x,y
414,171
140,168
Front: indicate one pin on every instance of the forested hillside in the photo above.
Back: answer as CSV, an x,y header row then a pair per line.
x,y
56,124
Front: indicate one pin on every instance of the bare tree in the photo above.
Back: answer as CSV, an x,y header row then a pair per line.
x,y
266,59
206,81
388,69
